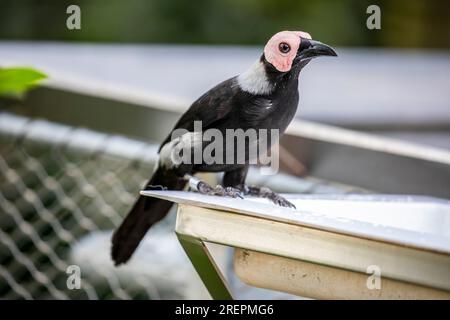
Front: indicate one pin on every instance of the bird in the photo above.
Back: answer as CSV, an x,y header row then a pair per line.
x,y
265,96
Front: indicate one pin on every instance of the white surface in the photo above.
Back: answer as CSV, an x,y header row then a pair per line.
x,y
419,222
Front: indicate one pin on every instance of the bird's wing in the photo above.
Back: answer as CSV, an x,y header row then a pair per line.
x,y
211,107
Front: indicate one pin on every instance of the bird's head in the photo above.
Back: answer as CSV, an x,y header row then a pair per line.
x,y
286,51
288,48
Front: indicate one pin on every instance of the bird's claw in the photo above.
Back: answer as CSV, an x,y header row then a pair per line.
x,y
279,200
233,192
265,192
204,188
282,202
219,190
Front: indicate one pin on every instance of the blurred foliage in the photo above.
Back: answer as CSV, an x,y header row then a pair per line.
x,y
14,82
405,23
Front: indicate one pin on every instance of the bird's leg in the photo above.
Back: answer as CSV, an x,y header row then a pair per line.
x,y
264,192
204,188
236,178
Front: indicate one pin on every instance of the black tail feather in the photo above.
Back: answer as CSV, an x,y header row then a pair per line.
x,y
144,214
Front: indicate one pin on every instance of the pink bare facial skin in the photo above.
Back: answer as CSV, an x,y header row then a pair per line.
x,y
283,61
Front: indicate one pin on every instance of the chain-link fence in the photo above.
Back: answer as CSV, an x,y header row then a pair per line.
x,y
57,185
62,192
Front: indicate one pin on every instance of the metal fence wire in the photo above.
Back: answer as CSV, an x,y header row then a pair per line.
x,y
58,184
62,192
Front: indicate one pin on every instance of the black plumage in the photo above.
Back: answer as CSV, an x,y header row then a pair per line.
x,y
226,106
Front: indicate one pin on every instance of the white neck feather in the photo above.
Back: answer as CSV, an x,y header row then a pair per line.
x,y
255,80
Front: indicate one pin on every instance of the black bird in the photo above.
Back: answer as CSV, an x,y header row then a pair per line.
x,y
263,97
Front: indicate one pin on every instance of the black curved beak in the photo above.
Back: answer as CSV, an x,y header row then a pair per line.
x,y
310,49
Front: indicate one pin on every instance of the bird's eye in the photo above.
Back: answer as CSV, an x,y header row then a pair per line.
x,y
284,47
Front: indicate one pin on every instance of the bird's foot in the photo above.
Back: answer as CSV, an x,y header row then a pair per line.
x,y
218,190
204,188
263,192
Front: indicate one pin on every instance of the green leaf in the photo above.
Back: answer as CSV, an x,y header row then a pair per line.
x,y
16,81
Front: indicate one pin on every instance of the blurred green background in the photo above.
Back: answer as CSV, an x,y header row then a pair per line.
x,y
405,23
